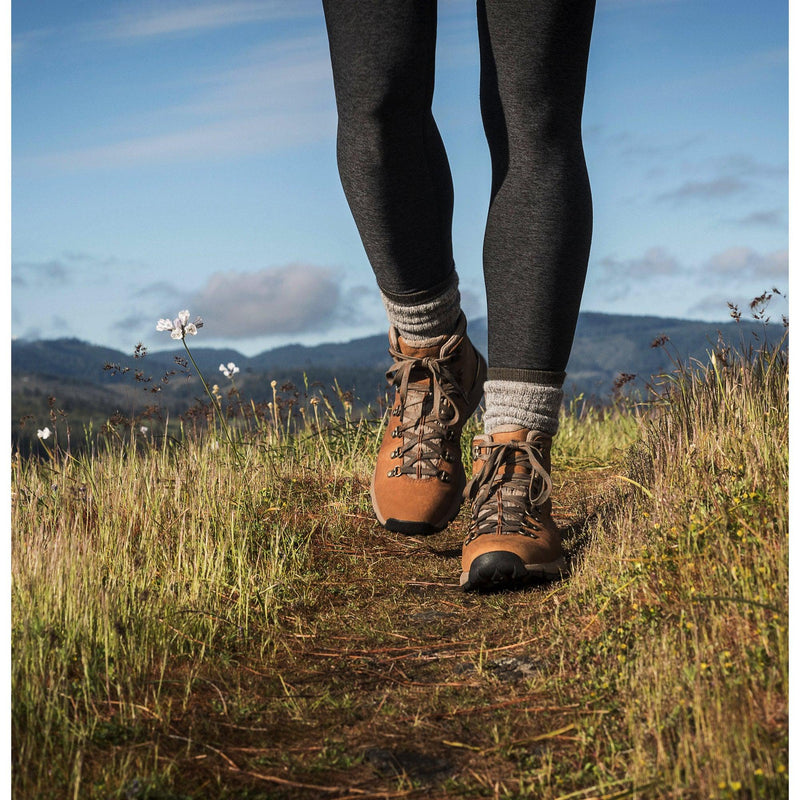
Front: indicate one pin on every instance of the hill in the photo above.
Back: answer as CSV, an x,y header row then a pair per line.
x,y
76,374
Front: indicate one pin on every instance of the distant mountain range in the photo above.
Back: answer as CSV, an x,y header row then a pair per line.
x,y
606,346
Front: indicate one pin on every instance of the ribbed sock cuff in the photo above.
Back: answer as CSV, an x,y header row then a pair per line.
x,y
418,322
521,404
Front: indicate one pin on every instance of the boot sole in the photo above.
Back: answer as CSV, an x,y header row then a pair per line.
x,y
502,570
422,527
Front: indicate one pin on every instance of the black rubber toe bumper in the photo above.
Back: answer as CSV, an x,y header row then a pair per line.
x,y
499,570
502,570
412,528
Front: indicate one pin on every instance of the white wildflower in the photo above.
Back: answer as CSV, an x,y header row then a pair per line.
x,y
44,433
143,429
230,370
180,326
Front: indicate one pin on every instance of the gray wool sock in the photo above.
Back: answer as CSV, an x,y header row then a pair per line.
x,y
532,404
418,322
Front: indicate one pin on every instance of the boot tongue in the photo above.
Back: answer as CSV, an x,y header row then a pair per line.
x,y
419,379
513,435
420,351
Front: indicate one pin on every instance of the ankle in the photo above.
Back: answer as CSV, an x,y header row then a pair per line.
x,y
530,404
420,320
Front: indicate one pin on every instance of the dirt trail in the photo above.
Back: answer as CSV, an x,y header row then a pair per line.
x,y
388,681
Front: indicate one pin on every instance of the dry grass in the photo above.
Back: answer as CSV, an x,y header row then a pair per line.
x,y
192,623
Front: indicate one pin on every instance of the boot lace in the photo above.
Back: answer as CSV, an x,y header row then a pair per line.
x,y
505,501
429,412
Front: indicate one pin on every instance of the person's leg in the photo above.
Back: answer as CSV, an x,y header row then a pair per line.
x,y
397,181
533,72
392,162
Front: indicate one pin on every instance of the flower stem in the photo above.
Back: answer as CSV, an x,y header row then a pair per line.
x,y
214,402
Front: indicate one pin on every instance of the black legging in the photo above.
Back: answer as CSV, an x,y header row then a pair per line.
x,y
397,180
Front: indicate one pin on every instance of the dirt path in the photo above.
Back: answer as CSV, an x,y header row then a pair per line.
x,y
388,681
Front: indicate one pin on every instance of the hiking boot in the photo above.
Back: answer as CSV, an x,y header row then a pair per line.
x,y
419,479
511,536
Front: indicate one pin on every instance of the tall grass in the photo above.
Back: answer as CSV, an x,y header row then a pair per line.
x,y
138,565
132,565
689,568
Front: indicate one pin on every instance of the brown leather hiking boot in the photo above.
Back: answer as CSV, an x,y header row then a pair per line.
x,y
511,536
419,479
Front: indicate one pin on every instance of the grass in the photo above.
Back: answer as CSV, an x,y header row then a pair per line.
x,y
191,621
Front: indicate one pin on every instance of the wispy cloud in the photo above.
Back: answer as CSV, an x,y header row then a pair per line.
x,y
295,298
158,289
632,145
612,279
29,42
773,217
146,21
731,175
653,262
732,272
732,263
66,268
746,166
133,322
744,262
713,189
170,19
214,140
279,96
59,324
27,272
626,4
712,305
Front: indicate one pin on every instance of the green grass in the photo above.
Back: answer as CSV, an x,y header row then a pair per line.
x,y
190,621
691,578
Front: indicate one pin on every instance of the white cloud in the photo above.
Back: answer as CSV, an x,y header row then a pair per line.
x,y
279,96
719,304
626,4
295,72
29,43
147,21
727,176
723,186
68,267
769,217
278,300
52,271
158,288
169,19
218,139
744,262
655,261
744,165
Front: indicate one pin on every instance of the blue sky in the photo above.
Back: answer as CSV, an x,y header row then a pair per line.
x,y
170,155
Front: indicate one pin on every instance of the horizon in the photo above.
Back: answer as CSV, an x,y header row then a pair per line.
x,y
182,155
197,345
